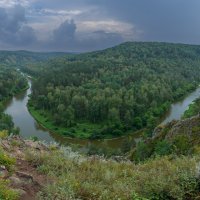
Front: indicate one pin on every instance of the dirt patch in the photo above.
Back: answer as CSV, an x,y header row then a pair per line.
x,y
25,177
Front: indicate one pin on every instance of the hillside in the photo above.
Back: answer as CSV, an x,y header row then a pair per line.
x,y
164,166
22,58
177,137
32,170
109,93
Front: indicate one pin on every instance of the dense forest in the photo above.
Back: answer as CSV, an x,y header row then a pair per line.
x,y
108,93
11,82
100,95
22,58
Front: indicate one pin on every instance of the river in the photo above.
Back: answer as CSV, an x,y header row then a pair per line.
x,y
17,108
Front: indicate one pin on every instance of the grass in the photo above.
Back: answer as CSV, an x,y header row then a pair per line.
x,y
4,134
6,193
6,160
94,178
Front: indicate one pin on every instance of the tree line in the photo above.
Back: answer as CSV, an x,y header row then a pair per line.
x,y
121,89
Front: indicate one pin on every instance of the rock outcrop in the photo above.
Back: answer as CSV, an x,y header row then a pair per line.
x,y
23,177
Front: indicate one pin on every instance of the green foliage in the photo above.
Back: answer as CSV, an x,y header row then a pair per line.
x,y
163,148
193,109
143,151
79,177
131,85
34,138
6,160
6,193
3,134
23,58
182,144
11,82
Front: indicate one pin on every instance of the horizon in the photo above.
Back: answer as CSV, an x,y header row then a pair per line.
x,y
98,50
85,25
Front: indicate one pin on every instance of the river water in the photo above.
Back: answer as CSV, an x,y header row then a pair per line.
x,y
17,108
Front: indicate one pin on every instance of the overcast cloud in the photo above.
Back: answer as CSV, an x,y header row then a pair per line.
x,y
86,25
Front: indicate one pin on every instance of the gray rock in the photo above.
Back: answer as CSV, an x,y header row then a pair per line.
x,y
3,172
16,182
25,177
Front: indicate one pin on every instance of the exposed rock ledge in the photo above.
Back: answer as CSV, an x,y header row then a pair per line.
x,y
24,177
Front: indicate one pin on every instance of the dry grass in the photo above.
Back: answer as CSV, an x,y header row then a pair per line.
x,y
79,177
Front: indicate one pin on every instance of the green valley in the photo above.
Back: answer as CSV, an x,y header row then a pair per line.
x,y
109,93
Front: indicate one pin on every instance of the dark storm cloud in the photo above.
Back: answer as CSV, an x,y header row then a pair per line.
x,y
13,28
65,37
65,34
160,20
84,25
101,40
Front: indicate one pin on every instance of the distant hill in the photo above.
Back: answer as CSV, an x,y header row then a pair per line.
x,y
108,93
21,58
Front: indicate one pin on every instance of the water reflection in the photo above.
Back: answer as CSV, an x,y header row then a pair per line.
x,y
29,127
178,109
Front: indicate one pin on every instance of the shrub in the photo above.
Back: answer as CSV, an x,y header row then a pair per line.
x,y
143,151
34,138
3,134
182,144
117,132
6,193
163,148
79,177
6,160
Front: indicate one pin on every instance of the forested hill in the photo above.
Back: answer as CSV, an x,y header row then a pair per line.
x,y
120,89
21,58
144,50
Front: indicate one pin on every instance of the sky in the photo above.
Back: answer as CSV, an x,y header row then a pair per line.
x,y
87,25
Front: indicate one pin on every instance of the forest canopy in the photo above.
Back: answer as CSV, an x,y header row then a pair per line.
x,y
108,93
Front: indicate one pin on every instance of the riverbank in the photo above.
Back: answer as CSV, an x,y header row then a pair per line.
x,y
4,101
31,124
82,131
45,123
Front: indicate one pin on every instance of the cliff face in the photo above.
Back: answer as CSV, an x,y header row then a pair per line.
x,y
189,127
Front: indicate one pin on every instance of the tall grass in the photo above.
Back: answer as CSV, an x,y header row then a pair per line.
x,y
77,177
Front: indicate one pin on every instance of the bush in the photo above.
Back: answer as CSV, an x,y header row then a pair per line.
x,y
34,138
79,177
96,135
163,148
6,160
3,134
6,193
117,132
164,178
143,151
68,134
182,144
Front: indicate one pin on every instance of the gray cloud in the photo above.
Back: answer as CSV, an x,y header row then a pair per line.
x,y
65,34
66,37
160,20
85,25
13,28
100,40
